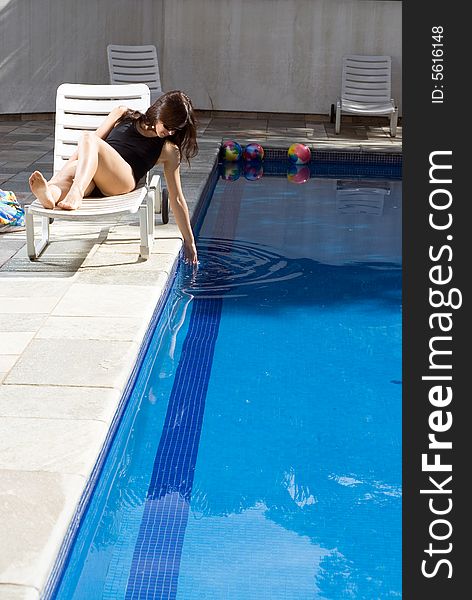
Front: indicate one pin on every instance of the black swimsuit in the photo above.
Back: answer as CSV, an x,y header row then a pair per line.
x,y
139,151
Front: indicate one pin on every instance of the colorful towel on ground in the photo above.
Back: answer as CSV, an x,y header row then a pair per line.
x,y
11,212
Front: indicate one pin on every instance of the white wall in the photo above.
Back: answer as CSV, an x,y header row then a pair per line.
x,y
249,55
47,42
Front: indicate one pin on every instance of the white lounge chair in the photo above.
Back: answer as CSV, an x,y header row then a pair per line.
x,y
82,108
366,89
133,64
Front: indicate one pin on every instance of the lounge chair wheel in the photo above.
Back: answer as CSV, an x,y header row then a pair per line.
x,y
165,206
332,114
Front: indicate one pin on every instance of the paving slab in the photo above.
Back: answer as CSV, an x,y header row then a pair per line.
x,y
27,304
35,510
49,402
55,445
14,342
88,299
21,322
18,592
92,328
75,362
8,248
116,276
30,286
7,362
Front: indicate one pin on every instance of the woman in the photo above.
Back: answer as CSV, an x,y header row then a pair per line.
x,y
121,151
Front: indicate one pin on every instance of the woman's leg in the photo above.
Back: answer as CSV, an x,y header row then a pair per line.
x,y
49,193
97,164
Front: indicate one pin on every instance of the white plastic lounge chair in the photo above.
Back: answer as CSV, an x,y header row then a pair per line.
x,y
82,108
132,64
366,89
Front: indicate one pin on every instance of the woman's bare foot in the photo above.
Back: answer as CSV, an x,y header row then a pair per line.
x,y
73,199
39,187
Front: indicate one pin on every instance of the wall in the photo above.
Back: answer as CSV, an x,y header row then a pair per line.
x,y
251,55
47,42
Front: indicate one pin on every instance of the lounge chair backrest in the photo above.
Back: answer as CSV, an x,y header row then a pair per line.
x,y
133,64
82,108
366,78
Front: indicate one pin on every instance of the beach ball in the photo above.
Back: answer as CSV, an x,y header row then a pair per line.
x,y
253,171
253,152
299,154
231,151
230,171
298,173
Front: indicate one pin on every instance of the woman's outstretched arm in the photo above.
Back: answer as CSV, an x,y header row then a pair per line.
x,y
170,157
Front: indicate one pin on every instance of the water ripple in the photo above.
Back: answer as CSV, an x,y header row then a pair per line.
x,y
226,266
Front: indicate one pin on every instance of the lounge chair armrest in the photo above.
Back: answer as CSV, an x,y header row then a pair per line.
x,y
154,188
155,182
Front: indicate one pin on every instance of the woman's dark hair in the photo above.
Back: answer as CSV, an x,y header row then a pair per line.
x,y
175,111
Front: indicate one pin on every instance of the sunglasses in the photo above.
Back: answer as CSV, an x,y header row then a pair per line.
x,y
173,129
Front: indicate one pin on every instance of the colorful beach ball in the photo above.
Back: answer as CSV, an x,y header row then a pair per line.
x,y
253,152
230,171
231,151
298,173
299,154
253,171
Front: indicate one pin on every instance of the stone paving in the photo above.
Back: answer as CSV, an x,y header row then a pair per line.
x,y
73,323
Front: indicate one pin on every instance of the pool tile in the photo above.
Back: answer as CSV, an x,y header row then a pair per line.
x,y
166,508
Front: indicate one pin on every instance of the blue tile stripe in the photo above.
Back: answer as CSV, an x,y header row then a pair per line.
x,y
156,560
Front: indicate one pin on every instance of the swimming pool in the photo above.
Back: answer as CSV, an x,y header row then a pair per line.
x,y
260,453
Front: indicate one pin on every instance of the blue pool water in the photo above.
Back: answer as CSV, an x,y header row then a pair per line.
x,y
260,454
